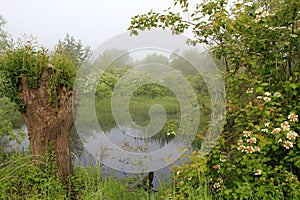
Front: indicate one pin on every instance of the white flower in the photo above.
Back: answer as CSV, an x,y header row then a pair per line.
x,y
259,10
257,149
241,148
239,142
291,135
280,140
249,90
285,126
277,94
271,28
249,149
293,35
257,19
216,185
289,177
252,140
265,130
276,130
220,180
281,27
246,133
267,94
265,14
267,99
293,117
259,97
248,4
257,172
288,144
267,124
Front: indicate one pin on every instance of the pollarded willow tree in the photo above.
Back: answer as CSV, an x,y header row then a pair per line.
x,y
41,84
259,43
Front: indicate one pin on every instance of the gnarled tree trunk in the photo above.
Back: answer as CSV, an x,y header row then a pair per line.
x,y
49,121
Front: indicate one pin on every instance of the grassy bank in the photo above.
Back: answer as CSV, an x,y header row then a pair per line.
x,y
22,178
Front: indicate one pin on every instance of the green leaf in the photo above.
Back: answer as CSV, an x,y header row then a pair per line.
x,y
293,85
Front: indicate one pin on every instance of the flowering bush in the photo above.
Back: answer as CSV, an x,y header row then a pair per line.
x,y
262,148
263,155
257,155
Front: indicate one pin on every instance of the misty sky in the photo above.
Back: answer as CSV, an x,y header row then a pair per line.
x,y
91,21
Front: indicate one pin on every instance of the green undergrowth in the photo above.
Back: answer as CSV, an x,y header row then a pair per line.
x,y
23,177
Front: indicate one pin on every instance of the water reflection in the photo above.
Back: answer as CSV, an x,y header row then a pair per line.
x,y
122,140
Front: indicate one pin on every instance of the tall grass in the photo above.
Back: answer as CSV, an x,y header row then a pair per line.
x,y
23,177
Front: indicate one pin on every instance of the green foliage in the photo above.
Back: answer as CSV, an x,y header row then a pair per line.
x,y
261,91
74,50
110,78
90,184
5,131
25,177
139,110
10,113
9,119
144,97
108,81
262,147
189,181
153,90
244,35
26,60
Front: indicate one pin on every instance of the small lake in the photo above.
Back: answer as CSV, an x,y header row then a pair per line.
x,y
82,155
